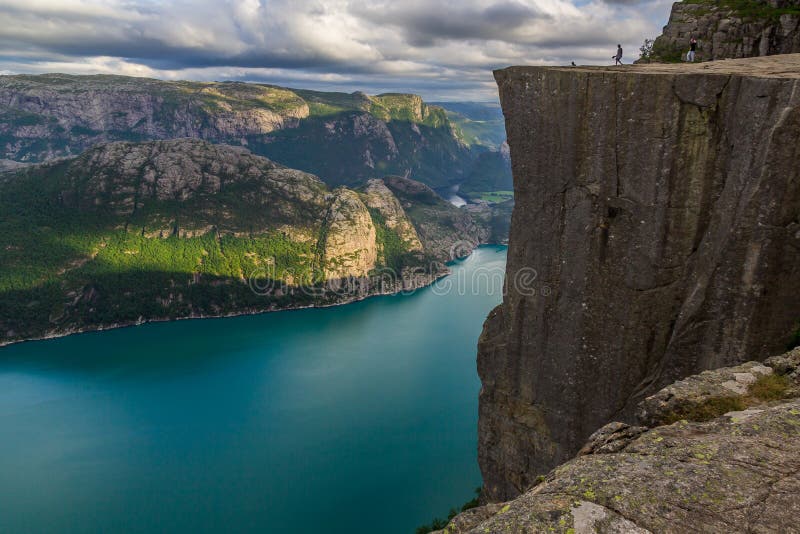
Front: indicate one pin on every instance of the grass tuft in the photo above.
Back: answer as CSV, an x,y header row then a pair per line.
x,y
707,410
770,387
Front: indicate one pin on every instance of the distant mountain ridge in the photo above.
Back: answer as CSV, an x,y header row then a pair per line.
x,y
346,139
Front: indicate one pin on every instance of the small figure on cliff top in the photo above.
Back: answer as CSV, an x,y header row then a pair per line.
x,y
618,58
692,50
573,64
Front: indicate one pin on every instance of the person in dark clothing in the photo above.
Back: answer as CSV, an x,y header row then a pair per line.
x,y
692,50
618,58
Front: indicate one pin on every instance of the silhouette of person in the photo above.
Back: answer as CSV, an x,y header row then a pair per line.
x,y
618,58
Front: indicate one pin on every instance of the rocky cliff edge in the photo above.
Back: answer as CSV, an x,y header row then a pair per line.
x,y
717,452
656,234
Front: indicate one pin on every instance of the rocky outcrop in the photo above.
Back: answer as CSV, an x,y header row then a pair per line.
x,y
725,471
348,236
9,165
726,29
656,234
135,178
403,106
379,197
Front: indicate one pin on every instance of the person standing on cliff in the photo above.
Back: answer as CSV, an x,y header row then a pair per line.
x,y
692,50
618,58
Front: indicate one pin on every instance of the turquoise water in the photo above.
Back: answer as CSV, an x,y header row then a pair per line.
x,y
359,418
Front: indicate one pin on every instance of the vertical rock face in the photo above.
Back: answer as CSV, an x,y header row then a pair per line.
x,y
726,30
656,234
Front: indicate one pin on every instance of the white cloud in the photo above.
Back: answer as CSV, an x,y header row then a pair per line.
x,y
442,49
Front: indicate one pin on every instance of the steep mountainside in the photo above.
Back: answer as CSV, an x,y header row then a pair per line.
x,y
718,452
343,138
656,234
59,114
129,232
481,125
491,172
438,222
730,29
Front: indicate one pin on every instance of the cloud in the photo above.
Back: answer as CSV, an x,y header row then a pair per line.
x,y
442,49
424,24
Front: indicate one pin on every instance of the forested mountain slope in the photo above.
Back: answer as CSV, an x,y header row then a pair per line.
x,y
130,232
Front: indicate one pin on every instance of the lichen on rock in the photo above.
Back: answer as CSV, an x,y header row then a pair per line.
x,y
738,472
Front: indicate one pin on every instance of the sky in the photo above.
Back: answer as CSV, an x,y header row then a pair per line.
x,y
441,49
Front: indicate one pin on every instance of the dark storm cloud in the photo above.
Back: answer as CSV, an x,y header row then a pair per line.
x,y
424,25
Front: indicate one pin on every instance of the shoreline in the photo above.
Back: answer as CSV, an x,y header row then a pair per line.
x,y
432,279
250,312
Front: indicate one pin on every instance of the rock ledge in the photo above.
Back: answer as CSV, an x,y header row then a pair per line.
x,y
738,472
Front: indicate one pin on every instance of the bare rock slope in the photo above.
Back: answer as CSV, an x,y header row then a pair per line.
x,y
725,468
656,234
730,29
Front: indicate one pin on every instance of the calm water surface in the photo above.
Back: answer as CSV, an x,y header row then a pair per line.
x,y
360,418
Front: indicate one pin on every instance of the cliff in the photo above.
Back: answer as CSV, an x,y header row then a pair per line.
x,y
730,29
133,232
718,452
656,234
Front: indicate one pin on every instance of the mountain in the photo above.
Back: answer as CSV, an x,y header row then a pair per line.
x,y
482,126
479,123
727,29
131,232
343,138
